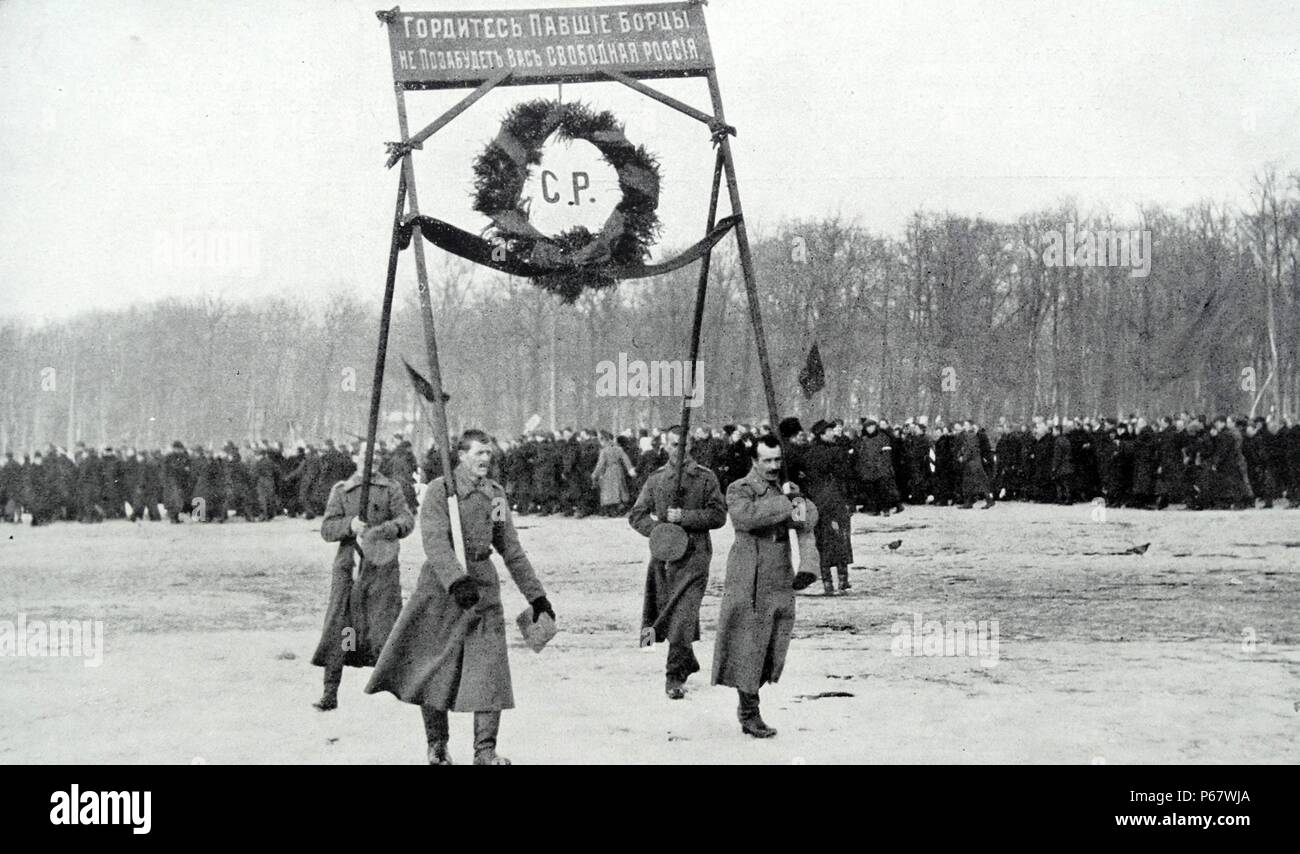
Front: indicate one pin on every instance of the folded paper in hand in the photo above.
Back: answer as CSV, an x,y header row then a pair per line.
x,y
537,634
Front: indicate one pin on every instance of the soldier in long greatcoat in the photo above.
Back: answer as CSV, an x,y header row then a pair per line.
x,y
447,651
361,612
756,618
670,608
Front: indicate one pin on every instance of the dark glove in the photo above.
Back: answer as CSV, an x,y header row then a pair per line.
x,y
465,591
542,605
802,580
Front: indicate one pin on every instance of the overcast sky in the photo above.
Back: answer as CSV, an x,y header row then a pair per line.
x,y
127,128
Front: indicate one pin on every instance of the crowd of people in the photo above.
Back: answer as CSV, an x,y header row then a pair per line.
x,y
874,466
259,482
879,467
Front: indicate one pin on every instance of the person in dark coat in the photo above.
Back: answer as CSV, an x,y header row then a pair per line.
x,y
113,490
90,487
525,501
548,476
1229,484
1289,449
650,458
335,466
588,457
826,480
756,617
513,473
307,473
268,501
404,466
1085,485
210,486
947,474
704,449
362,609
670,608
1259,462
295,470
43,489
243,494
1062,464
1007,449
447,651
737,456
572,480
921,473
11,488
176,482
875,470
286,490
1275,448
1041,464
65,482
1145,462
975,481
146,488
1171,462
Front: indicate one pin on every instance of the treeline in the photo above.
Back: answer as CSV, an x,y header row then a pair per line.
x,y
958,317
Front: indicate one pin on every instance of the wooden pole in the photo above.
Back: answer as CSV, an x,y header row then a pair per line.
x,y
381,354
700,291
439,404
746,261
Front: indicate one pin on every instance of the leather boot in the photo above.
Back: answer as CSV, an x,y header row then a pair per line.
x,y
436,733
486,726
330,699
751,723
844,579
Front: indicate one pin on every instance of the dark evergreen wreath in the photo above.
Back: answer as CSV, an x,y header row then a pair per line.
x,y
576,259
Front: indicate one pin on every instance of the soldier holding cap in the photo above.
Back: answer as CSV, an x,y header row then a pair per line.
x,y
448,649
674,587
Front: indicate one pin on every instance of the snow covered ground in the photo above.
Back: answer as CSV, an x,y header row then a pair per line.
x,y
1188,653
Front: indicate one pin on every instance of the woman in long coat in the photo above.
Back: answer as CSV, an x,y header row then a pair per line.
x,y
611,466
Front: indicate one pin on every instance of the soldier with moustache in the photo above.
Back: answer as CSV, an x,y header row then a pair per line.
x,y
447,651
756,618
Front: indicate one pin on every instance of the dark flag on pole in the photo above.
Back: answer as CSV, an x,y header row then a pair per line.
x,y
423,386
812,378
